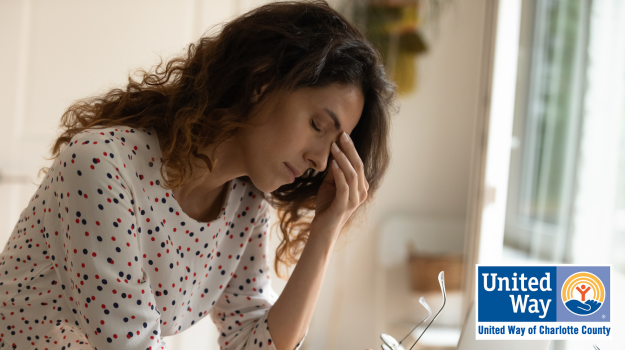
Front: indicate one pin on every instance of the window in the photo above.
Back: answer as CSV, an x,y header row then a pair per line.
x,y
546,136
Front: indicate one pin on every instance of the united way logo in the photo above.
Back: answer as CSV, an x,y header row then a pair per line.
x,y
558,301
583,293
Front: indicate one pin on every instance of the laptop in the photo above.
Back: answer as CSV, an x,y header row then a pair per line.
x,y
468,342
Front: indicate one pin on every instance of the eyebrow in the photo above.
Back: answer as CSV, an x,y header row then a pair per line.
x,y
337,123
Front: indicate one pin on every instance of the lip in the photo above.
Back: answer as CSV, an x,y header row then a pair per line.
x,y
293,172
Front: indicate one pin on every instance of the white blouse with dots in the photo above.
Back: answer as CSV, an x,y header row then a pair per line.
x,y
103,257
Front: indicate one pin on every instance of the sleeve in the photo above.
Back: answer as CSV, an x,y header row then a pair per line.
x,y
96,253
241,311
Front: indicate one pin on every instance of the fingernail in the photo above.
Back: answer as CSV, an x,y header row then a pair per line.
x,y
334,164
335,147
345,137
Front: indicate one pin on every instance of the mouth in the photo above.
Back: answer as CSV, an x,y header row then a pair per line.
x,y
293,173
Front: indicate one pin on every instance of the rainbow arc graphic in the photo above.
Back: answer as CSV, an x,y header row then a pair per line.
x,y
583,293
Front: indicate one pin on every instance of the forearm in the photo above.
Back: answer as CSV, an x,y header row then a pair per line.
x,y
290,316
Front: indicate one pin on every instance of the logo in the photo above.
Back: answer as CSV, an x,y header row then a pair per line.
x,y
559,301
583,293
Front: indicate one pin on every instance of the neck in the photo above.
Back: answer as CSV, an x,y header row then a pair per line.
x,y
204,187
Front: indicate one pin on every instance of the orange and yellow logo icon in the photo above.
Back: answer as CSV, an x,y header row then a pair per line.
x,y
583,293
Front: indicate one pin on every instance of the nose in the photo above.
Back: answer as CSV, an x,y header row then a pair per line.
x,y
318,159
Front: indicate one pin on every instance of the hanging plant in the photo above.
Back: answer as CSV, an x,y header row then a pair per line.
x,y
393,27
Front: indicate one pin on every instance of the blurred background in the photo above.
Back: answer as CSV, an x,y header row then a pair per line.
x,y
509,146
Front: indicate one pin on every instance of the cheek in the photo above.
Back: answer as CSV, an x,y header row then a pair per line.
x,y
288,140
280,140
264,139
263,150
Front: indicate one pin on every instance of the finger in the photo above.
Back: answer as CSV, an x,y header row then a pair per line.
x,y
329,177
348,148
350,174
342,188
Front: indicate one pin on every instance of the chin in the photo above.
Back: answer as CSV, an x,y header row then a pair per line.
x,y
266,186
267,181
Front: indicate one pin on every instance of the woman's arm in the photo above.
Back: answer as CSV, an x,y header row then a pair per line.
x,y
344,188
290,316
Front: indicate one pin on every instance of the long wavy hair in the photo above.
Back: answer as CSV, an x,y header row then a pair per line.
x,y
205,96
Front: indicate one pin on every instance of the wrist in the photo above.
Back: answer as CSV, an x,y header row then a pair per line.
x,y
326,235
326,225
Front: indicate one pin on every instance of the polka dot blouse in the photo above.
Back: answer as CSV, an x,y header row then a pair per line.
x,y
103,257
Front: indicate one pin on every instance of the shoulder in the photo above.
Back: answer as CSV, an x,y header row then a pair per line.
x,y
253,202
121,148
125,138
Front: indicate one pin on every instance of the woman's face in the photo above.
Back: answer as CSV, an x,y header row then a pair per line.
x,y
288,135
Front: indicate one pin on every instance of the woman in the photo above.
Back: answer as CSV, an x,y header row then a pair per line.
x,y
154,213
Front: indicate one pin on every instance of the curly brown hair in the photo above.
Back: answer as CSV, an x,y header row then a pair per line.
x,y
205,96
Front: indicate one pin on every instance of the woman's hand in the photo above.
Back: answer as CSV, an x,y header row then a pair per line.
x,y
343,189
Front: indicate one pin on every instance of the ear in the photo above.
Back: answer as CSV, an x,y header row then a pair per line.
x,y
259,91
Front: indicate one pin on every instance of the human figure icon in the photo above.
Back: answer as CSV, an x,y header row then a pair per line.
x,y
583,291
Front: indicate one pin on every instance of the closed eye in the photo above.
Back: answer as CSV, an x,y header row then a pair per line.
x,y
312,123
